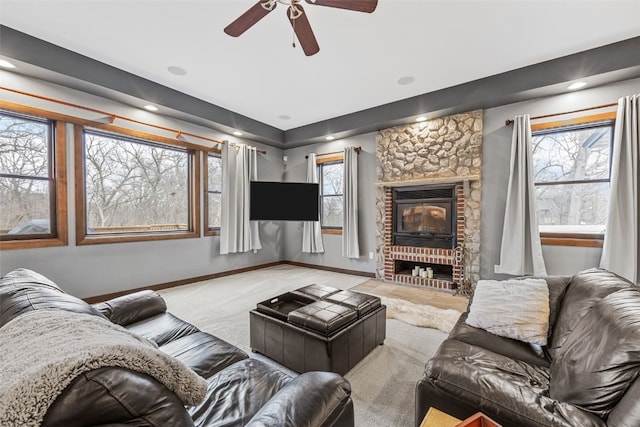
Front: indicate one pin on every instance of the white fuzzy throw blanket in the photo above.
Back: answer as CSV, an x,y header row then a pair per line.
x,y
43,351
421,315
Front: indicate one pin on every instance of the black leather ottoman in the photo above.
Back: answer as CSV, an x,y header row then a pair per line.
x,y
319,336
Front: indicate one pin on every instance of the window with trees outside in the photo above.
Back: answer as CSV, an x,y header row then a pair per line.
x,y
330,175
135,189
213,191
572,171
32,181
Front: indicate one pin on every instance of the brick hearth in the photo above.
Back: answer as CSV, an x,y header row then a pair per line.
x,y
424,257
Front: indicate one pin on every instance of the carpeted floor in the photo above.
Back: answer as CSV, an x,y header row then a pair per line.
x,y
382,383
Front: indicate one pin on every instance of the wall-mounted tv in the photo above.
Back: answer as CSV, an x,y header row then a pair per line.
x,y
284,201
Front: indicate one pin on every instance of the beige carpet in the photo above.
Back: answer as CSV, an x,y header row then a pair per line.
x,y
383,383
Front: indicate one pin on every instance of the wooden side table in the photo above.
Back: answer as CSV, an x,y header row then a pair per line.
x,y
437,418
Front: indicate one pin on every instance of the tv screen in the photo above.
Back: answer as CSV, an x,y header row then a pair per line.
x,y
284,201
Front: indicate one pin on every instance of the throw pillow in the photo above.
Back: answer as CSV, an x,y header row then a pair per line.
x,y
601,356
517,309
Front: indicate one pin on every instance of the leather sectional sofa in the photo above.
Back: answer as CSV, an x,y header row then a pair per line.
x,y
236,390
586,376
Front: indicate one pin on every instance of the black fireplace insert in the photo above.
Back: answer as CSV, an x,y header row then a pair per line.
x,y
424,216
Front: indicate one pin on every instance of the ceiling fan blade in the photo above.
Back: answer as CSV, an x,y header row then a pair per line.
x,y
367,6
247,19
304,33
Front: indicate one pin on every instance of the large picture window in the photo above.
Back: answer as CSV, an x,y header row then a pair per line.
x,y
572,171
32,184
213,192
135,189
331,176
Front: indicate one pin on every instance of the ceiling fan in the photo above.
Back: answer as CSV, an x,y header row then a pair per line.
x,y
297,17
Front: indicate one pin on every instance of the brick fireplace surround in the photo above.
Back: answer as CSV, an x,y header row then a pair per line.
x,y
424,257
446,150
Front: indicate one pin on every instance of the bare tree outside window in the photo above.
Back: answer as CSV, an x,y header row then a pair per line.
x,y
214,190
331,187
26,178
571,167
134,186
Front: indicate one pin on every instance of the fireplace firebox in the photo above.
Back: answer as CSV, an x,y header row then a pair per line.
x,y
424,216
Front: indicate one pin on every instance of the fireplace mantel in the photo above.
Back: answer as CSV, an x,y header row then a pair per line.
x,y
428,181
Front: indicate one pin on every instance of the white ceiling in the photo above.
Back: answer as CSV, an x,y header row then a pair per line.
x,y
362,56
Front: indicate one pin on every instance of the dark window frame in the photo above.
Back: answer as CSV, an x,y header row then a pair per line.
x,y
320,163
209,230
56,178
583,122
193,228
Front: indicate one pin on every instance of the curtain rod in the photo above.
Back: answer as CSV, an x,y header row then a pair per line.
x,y
357,149
113,117
510,121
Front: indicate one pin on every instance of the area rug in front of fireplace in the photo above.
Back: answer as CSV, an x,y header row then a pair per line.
x,y
421,315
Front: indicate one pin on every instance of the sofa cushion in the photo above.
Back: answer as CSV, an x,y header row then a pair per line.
x,y
512,391
204,353
506,346
162,328
601,356
517,309
237,393
585,289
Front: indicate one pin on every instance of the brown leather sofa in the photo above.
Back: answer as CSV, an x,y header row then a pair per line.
x,y
240,390
586,376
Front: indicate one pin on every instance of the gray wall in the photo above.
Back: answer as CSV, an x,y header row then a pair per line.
x,y
100,269
296,170
495,173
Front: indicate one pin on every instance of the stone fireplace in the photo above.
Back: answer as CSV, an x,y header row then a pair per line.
x,y
444,153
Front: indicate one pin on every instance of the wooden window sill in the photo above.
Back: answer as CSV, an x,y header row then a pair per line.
x,y
31,243
588,241
104,239
337,231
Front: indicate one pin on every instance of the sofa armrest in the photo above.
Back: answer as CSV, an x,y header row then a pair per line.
x,y
116,396
310,399
133,307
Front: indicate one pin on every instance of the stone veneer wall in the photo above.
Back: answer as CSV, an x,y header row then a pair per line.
x,y
445,148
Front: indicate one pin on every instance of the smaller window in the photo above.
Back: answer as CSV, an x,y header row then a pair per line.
x,y
330,175
213,193
571,172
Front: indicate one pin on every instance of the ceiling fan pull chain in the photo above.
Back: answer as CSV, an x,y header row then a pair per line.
x,y
293,36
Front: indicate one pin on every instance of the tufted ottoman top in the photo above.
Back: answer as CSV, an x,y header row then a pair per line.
x,y
323,317
361,303
317,292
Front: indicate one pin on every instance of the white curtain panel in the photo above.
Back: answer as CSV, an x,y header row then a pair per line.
x,y
311,231
521,251
620,252
350,247
239,167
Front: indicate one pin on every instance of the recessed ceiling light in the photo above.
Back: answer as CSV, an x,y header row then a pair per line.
x,y
6,64
151,107
237,133
178,71
284,117
421,119
330,138
576,85
406,80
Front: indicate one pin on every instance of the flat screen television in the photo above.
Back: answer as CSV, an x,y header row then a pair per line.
x,y
284,201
